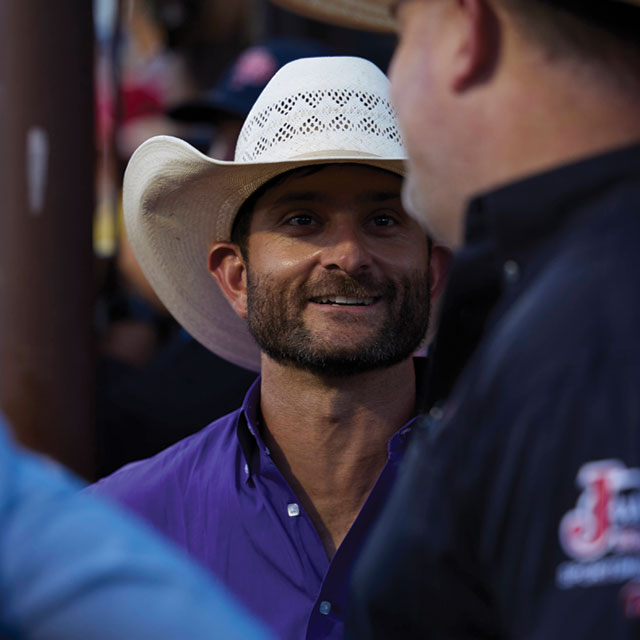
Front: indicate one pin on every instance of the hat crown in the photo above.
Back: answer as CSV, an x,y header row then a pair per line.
x,y
333,105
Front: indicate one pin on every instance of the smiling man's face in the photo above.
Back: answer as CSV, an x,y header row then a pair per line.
x,y
337,273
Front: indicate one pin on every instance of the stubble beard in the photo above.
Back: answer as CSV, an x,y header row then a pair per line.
x,y
275,319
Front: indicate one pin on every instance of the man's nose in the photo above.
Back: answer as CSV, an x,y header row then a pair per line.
x,y
346,250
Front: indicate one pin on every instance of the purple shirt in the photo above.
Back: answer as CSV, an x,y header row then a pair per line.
x,y
219,495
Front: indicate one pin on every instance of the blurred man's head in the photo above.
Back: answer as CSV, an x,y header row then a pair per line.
x,y
225,106
488,91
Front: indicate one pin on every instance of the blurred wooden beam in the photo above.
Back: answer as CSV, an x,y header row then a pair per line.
x,y
46,200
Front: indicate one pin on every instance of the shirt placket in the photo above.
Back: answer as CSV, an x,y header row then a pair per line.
x,y
327,617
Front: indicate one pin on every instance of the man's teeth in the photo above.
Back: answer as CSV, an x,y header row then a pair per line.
x,y
345,300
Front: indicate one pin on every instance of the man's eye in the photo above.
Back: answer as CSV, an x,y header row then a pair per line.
x,y
300,220
384,220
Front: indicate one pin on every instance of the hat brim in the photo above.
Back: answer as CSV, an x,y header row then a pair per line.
x,y
177,202
371,15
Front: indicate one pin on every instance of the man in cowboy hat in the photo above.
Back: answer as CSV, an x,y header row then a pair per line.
x,y
323,284
517,512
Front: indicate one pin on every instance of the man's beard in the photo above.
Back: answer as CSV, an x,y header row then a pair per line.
x,y
275,319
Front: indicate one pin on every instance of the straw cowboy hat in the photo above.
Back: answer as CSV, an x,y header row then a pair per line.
x,y
372,15
178,201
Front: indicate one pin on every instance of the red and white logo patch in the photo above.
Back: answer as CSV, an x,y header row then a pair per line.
x,y
602,533
607,515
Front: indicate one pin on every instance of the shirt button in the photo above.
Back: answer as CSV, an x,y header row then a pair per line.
x,y
511,271
267,451
436,413
293,510
325,608
246,469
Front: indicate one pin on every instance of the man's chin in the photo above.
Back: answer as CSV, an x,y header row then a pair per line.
x,y
333,368
337,363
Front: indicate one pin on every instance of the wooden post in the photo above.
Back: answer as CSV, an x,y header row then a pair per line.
x,y
46,207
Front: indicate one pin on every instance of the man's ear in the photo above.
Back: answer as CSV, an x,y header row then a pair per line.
x,y
438,268
228,267
477,43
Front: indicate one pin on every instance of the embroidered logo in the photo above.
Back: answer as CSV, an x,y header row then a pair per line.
x,y
602,533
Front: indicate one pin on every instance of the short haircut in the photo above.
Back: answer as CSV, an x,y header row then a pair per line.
x,y
602,35
242,221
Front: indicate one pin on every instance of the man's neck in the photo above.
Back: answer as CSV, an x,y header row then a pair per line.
x,y
329,436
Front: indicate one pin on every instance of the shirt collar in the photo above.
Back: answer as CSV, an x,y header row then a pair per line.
x,y
505,232
520,215
251,407
248,430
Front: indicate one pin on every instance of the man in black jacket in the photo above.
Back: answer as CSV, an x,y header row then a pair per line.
x,y
518,512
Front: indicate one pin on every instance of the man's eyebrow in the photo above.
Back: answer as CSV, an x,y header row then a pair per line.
x,y
316,196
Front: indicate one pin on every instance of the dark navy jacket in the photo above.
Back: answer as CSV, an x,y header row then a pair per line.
x,y
517,509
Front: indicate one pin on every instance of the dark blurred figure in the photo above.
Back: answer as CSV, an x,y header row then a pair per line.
x,y
225,106
517,514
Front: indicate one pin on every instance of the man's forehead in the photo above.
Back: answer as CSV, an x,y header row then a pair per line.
x,y
361,181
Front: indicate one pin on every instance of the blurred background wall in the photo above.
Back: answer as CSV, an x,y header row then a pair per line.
x,y
46,194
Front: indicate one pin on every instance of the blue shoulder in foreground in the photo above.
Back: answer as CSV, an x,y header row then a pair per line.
x,y
73,567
